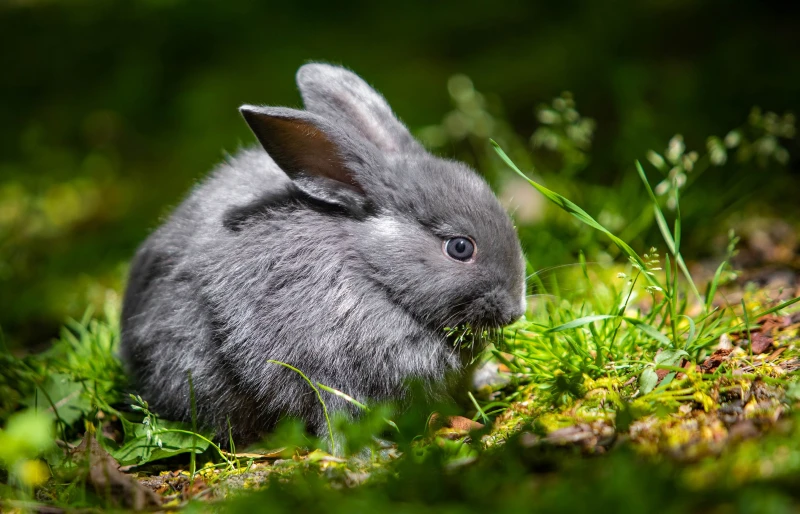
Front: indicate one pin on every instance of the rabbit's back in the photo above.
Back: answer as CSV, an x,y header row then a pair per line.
x,y
166,327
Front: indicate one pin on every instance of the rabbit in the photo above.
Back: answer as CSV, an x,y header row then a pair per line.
x,y
340,246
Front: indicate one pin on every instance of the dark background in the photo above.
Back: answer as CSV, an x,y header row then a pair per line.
x,y
111,110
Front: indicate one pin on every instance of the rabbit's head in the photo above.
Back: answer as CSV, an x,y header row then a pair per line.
x,y
429,230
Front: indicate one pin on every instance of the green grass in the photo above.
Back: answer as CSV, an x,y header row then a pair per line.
x,y
605,336
608,359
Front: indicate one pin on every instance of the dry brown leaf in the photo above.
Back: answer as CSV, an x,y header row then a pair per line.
x,y
103,475
761,342
459,423
771,321
714,360
774,355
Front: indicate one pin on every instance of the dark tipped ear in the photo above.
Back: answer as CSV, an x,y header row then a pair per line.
x,y
342,96
314,154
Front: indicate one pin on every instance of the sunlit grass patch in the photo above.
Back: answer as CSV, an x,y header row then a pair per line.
x,y
642,341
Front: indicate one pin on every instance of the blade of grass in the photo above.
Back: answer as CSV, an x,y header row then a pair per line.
x,y
316,391
692,330
677,222
783,305
485,418
673,297
622,308
343,396
575,211
649,330
202,438
747,326
582,262
578,323
355,402
661,221
230,440
193,404
499,356
712,286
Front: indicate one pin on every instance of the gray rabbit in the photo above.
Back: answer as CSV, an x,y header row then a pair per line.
x,y
344,250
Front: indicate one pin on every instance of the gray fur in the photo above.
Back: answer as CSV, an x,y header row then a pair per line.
x,y
325,254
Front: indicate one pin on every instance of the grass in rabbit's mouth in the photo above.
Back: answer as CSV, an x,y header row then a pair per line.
x,y
644,361
472,339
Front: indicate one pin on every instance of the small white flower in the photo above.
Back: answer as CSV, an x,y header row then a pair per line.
x,y
675,148
656,160
548,116
671,203
733,139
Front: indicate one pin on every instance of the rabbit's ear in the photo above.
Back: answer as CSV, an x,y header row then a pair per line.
x,y
343,97
317,156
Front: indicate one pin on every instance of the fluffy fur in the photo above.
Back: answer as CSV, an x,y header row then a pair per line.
x,y
325,252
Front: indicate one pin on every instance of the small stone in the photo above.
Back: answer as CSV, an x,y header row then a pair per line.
x,y
725,343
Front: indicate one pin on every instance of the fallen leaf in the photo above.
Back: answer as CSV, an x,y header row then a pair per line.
x,y
103,475
771,321
195,488
760,343
459,423
774,355
462,423
714,360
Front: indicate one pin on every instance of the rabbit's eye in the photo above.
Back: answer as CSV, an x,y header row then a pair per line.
x,y
460,248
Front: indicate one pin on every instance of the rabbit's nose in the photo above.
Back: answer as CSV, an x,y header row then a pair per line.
x,y
499,308
516,309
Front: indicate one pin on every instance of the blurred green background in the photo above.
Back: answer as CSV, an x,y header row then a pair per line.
x,y
111,110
